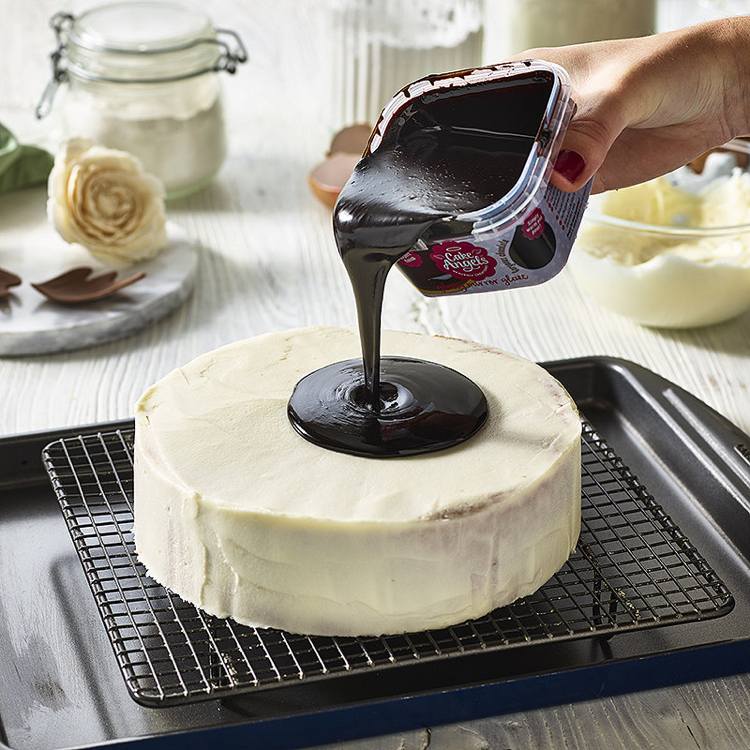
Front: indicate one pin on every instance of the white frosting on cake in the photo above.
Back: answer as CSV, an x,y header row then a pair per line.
x,y
238,514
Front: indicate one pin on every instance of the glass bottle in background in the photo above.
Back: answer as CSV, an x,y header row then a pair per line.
x,y
511,26
676,14
379,46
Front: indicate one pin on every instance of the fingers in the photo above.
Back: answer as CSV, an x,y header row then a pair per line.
x,y
583,151
638,155
606,106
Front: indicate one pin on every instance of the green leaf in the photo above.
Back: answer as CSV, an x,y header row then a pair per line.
x,y
21,166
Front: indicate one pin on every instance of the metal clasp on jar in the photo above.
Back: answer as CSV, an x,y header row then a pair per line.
x,y
230,57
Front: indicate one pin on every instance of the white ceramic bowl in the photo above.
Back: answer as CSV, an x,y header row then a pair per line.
x,y
668,291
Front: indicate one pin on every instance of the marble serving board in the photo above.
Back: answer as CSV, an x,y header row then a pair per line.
x,y
31,324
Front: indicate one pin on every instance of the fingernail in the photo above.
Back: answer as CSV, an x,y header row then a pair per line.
x,y
570,165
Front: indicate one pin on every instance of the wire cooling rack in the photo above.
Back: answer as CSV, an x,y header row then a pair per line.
x,y
633,569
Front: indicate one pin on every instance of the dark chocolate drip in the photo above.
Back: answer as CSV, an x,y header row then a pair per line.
x,y
411,191
423,407
455,154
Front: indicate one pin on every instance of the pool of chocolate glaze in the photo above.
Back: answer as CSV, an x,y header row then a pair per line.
x,y
448,153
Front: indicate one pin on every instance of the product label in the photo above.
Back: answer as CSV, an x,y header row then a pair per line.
x,y
533,224
530,251
462,260
411,260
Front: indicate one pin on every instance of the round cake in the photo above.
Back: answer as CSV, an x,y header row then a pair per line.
x,y
238,514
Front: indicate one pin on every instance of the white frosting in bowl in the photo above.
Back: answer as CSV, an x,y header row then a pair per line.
x,y
673,252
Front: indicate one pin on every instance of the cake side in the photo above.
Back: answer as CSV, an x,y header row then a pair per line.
x,y
334,578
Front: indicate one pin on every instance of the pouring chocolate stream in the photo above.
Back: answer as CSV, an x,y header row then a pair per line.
x,y
453,153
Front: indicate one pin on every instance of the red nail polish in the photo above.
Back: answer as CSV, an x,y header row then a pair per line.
x,y
570,165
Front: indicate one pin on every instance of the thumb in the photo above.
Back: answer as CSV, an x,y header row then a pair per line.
x,y
584,149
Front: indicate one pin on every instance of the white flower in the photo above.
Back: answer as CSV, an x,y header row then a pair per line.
x,y
103,200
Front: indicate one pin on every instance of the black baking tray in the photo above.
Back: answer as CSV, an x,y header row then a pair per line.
x,y
60,686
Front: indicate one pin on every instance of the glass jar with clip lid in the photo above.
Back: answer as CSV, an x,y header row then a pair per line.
x,y
143,77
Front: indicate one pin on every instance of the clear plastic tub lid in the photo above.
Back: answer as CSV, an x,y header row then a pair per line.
x,y
547,138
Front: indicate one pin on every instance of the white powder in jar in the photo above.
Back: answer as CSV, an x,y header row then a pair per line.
x,y
175,128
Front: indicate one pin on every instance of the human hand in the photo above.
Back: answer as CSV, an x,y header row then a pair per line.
x,y
647,106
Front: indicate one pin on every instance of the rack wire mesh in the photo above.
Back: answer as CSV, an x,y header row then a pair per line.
x,y
633,569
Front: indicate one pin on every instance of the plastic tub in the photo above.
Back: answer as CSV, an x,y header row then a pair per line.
x,y
524,237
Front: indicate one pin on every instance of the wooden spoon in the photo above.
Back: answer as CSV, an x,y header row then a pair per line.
x,y
7,280
77,286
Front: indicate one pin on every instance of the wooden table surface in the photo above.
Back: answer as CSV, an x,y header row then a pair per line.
x,y
268,262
